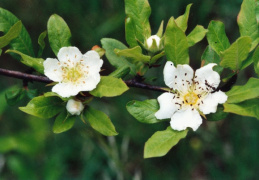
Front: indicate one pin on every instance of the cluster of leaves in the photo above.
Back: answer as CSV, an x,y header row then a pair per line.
x,y
134,60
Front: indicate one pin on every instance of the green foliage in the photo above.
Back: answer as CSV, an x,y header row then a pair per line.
x,y
13,33
14,95
41,42
109,87
35,63
219,115
255,59
210,56
144,111
176,44
197,34
120,72
217,37
58,33
100,121
63,122
234,56
43,107
182,21
160,30
162,141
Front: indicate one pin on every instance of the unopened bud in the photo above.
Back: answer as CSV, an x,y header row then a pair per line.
x,y
74,107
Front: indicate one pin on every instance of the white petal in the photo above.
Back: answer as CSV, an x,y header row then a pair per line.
x,y
207,78
69,54
187,118
93,61
150,40
89,83
52,69
211,102
66,89
179,78
167,106
74,107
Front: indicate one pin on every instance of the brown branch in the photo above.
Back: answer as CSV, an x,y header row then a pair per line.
x,y
31,77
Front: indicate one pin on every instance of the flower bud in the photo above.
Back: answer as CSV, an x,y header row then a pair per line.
x,y
74,107
150,41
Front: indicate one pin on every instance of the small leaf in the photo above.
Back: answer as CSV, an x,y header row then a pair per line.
x,y
210,56
58,32
135,54
255,59
155,58
217,37
120,72
100,121
162,141
241,93
232,57
14,95
130,32
109,87
182,21
41,42
35,63
63,122
43,107
197,34
176,44
144,111
53,94
13,33
160,30
246,108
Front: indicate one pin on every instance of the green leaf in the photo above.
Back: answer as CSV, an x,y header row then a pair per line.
x,y
36,63
234,56
139,12
135,54
247,20
219,115
162,141
43,107
23,42
210,56
58,32
109,87
13,33
109,45
182,21
255,59
217,37
14,95
257,11
155,58
63,122
144,111
130,32
197,34
53,94
160,30
120,72
41,42
176,44
100,121
241,93
246,108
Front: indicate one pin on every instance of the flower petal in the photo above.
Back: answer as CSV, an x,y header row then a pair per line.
x,y
89,83
207,79
93,61
179,78
187,118
52,69
211,102
69,54
66,89
167,106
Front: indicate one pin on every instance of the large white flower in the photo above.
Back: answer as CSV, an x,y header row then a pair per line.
x,y
73,71
192,93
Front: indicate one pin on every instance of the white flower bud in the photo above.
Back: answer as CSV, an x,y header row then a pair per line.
x,y
74,107
150,40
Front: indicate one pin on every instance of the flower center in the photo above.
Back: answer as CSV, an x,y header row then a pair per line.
x,y
73,74
191,98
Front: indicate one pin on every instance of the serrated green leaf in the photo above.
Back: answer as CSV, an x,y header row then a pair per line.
x,y
35,63
176,44
58,33
63,122
23,42
135,54
41,42
219,115
246,108
234,56
109,87
13,33
100,121
109,45
14,95
210,56
247,20
160,30
217,37
255,59
120,72
241,93
182,21
43,107
144,111
197,34
162,141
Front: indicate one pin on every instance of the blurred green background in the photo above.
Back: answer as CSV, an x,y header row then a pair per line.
x,y
227,149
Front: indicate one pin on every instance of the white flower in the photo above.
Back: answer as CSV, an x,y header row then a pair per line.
x,y
73,71
150,41
74,107
192,93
